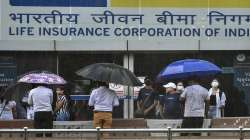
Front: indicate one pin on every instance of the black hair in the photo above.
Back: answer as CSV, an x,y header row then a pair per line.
x,y
37,85
2,99
100,83
147,81
61,87
194,79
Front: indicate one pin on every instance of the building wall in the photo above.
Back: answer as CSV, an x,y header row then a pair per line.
x,y
130,45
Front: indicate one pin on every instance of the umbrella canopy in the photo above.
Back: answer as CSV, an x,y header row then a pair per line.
x,y
42,78
108,72
17,87
187,68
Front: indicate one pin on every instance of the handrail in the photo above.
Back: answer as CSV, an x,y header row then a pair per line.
x,y
98,131
173,130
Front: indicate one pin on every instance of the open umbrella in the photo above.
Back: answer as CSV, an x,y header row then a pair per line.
x,y
187,68
20,85
42,78
109,72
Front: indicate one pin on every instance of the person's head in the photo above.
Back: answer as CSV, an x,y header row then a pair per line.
x,y
60,90
33,86
215,83
2,90
157,87
193,80
180,86
1,99
39,85
102,84
170,87
147,82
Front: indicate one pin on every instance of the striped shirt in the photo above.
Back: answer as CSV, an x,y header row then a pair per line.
x,y
64,108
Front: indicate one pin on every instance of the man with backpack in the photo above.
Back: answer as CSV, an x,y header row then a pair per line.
x,y
146,101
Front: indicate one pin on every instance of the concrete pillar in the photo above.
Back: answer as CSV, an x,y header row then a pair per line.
x,y
128,62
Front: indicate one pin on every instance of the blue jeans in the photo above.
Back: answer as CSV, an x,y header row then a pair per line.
x,y
212,112
62,116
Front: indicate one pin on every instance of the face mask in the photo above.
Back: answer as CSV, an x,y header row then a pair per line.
x,y
214,84
180,88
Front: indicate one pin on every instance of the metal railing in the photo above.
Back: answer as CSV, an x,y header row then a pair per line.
x,y
99,131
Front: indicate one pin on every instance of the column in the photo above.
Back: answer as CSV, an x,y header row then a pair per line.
x,y
128,62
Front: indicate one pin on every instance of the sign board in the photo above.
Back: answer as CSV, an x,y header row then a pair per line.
x,y
242,82
242,78
7,71
124,19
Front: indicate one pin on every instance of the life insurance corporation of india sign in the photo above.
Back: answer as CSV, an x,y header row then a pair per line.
x,y
91,23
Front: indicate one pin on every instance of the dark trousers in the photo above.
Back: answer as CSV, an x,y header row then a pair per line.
x,y
43,120
192,122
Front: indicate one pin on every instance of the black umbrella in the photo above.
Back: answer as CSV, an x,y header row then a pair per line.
x,y
108,72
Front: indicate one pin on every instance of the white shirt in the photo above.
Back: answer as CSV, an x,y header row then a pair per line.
x,y
41,98
103,99
30,113
7,110
195,97
219,101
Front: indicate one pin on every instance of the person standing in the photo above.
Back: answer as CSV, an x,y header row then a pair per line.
x,y
180,87
103,100
217,101
195,97
146,101
41,98
170,103
61,110
159,90
29,108
7,109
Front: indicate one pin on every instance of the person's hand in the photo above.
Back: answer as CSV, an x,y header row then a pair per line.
x,y
206,115
146,111
221,107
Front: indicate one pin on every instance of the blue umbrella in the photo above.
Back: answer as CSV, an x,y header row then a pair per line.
x,y
187,68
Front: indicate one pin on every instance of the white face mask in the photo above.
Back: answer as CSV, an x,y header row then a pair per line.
x,y
180,88
214,84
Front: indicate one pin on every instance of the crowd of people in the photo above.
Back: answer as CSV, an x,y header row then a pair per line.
x,y
192,103
171,101
59,105
174,101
